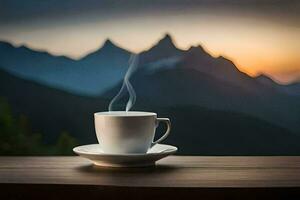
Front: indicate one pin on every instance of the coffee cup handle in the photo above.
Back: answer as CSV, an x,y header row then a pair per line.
x,y
167,121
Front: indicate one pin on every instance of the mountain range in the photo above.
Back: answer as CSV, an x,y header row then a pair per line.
x,y
89,76
195,130
193,77
210,102
100,70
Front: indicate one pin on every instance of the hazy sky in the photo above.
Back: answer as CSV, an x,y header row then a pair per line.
x,y
260,36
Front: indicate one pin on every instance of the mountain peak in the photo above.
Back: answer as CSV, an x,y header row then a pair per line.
x,y
165,44
263,76
197,51
6,44
265,80
107,49
166,41
197,48
167,36
164,48
108,44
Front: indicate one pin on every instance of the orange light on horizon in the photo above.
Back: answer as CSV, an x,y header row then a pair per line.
x,y
254,46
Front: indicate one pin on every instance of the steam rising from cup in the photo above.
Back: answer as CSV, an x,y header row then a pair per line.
x,y
133,64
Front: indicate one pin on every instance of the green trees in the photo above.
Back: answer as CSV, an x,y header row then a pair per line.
x,y
65,143
17,137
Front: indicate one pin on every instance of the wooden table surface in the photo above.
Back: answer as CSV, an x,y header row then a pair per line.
x,y
175,173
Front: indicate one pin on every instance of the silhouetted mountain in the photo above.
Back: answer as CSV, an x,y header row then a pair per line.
x,y
104,68
164,49
220,67
196,130
202,80
51,111
265,80
167,76
108,51
89,76
290,89
200,131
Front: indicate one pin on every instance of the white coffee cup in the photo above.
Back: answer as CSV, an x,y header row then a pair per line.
x,y
121,132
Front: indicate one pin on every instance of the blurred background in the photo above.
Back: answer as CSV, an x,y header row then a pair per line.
x,y
226,72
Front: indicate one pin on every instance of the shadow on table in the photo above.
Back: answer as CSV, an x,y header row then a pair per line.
x,y
90,168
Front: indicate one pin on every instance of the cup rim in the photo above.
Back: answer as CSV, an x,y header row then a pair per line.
x,y
125,114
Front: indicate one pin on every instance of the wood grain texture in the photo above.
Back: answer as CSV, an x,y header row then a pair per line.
x,y
171,172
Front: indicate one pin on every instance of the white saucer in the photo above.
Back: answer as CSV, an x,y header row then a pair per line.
x,y
94,153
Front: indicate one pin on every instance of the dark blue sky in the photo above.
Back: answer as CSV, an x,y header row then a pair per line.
x,y
16,11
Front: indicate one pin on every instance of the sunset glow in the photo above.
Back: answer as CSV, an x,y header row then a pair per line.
x,y
254,43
